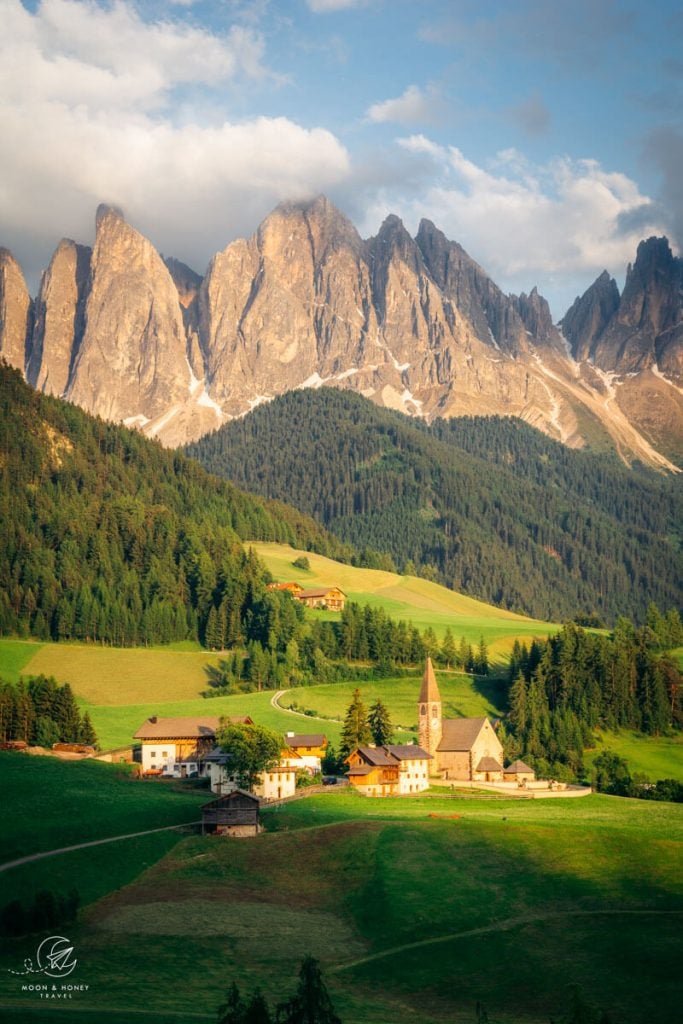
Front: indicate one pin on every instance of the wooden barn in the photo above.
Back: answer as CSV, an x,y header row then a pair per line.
x,y
235,814
293,587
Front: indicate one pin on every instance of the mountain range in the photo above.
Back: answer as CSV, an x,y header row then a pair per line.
x,y
415,324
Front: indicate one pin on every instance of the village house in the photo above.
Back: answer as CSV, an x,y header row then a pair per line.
x,y
178,746
464,749
293,588
276,784
331,599
391,770
235,814
310,747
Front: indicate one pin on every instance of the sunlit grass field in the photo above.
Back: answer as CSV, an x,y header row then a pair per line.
x,y
658,757
407,597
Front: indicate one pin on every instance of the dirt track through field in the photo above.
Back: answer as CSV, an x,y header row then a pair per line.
x,y
497,926
93,842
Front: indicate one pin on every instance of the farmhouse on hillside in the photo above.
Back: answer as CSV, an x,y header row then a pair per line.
x,y
392,770
177,746
464,749
332,599
293,588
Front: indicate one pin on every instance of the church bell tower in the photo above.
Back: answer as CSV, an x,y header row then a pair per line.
x,y
429,714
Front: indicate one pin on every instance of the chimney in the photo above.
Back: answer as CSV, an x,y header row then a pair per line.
x,y
153,719
290,734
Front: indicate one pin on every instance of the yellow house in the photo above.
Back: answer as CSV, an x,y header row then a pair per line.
x,y
332,599
311,748
392,770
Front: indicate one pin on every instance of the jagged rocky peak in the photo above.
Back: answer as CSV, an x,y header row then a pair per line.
x,y
535,313
133,317
59,318
16,310
585,321
652,294
106,212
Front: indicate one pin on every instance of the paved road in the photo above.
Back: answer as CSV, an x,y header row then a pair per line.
x,y
94,842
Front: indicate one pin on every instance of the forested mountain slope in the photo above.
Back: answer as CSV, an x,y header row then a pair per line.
x,y
490,507
108,536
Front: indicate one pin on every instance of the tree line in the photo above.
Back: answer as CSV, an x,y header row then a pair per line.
x,y
563,688
41,712
109,538
286,649
487,506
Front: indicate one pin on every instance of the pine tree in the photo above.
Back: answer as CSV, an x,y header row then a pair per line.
x,y
87,734
356,730
257,1011
449,652
233,1009
380,723
311,1003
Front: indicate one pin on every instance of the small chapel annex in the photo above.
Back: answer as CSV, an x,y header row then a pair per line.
x,y
463,749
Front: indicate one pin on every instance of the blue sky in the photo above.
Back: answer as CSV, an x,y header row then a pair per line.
x,y
545,137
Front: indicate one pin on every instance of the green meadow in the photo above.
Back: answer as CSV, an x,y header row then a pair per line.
x,y
407,597
658,757
416,907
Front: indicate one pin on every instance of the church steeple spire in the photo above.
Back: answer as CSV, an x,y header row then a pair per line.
x,y
429,712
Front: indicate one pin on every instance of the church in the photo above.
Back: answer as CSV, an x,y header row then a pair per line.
x,y
463,749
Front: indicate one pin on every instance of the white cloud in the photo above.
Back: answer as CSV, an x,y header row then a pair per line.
x,y
325,6
558,224
90,111
411,107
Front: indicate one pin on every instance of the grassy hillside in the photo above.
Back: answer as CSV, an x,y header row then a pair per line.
x,y
658,757
407,597
494,507
462,697
417,908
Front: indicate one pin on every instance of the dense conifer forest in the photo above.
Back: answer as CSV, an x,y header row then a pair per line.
x,y
108,537
563,688
487,506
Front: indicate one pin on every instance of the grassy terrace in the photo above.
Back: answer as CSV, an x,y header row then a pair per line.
x,y
407,597
417,908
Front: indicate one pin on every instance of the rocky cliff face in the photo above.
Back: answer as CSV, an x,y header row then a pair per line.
x,y
15,311
414,324
59,319
642,328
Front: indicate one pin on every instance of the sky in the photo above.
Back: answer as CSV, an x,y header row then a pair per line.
x,y
545,136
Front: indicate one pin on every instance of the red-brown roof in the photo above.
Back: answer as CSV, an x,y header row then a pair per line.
x,y
314,739
430,690
408,752
202,727
318,592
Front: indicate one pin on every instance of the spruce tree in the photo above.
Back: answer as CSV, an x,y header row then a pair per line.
x,y
87,735
356,729
311,1003
380,723
233,1009
449,652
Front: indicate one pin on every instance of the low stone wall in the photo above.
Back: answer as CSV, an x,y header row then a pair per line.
x,y
540,790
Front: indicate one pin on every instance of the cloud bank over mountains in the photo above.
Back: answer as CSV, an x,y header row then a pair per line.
x,y
196,128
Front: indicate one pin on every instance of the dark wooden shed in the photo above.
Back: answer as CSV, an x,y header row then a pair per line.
x,y
235,814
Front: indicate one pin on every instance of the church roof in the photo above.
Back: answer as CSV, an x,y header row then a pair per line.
x,y
488,764
430,689
460,733
518,766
